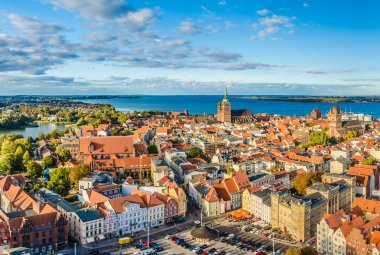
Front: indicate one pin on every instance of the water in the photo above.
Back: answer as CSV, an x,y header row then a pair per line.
x,y
34,131
207,104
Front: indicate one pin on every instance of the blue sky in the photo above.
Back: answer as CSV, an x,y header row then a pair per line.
x,y
317,47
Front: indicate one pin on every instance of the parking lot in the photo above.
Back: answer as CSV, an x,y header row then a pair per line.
x,y
250,243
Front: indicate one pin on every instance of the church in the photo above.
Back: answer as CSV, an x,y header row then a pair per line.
x,y
339,128
225,114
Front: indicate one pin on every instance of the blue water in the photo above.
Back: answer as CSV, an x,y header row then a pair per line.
x,y
34,131
202,104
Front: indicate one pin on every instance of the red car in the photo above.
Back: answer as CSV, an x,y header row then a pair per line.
x,y
204,253
173,238
261,253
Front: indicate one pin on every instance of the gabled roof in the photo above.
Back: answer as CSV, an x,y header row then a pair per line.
x,y
106,145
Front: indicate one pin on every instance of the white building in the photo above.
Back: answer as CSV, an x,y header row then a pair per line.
x,y
332,231
130,211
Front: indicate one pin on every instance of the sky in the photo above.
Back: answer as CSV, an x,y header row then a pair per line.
x,y
171,47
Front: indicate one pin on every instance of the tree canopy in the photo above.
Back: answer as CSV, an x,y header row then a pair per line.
x,y
319,137
63,154
60,181
48,162
306,250
34,169
196,152
78,172
369,161
152,149
303,181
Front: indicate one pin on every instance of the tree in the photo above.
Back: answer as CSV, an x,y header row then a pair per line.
x,y
152,149
369,161
60,181
63,154
48,162
8,147
38,186
196,152
307,250
319,137
78,172
41,136
19,151
34,170
350,134
301,182
294,251
11,163
26,156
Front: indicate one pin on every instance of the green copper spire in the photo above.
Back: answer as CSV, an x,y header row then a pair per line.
x,y
225,99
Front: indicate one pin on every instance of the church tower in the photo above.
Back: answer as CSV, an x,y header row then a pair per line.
x,y
224,109
335,120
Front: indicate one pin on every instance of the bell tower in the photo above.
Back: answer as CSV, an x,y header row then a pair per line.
x,y
224,109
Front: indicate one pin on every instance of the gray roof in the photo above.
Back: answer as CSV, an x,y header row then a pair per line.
x,y
256,176
159,162
55,199
87,215
323,187
262,193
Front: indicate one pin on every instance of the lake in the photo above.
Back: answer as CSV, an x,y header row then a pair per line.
x,y
208,104
34,131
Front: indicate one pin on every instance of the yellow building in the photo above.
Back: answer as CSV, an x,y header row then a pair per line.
x,y
211,205
347,186
247,200
297,216
178,194
158,169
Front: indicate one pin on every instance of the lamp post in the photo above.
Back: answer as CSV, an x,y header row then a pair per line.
x,y
75,248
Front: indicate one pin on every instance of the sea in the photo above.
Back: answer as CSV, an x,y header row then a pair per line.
x,y
208,104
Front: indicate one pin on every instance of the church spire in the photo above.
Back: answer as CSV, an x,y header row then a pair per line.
x,y
225,99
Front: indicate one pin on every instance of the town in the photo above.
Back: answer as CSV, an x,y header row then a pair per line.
x,y
176,183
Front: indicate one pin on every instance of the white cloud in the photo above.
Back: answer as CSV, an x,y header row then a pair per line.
x,y
271,25
90,9
188,27
137,20
263,12
222,2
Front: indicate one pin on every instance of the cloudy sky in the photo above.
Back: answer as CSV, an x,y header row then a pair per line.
x,y
319,47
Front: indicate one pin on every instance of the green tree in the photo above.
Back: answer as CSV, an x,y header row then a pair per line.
x,y
19,151
63,154
48,162
350,134
369,161
8,147
38,186
294,251
11,163
152,149
301,182
41,136
196,152
78,172
34,170
59,181
319,137
26,156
